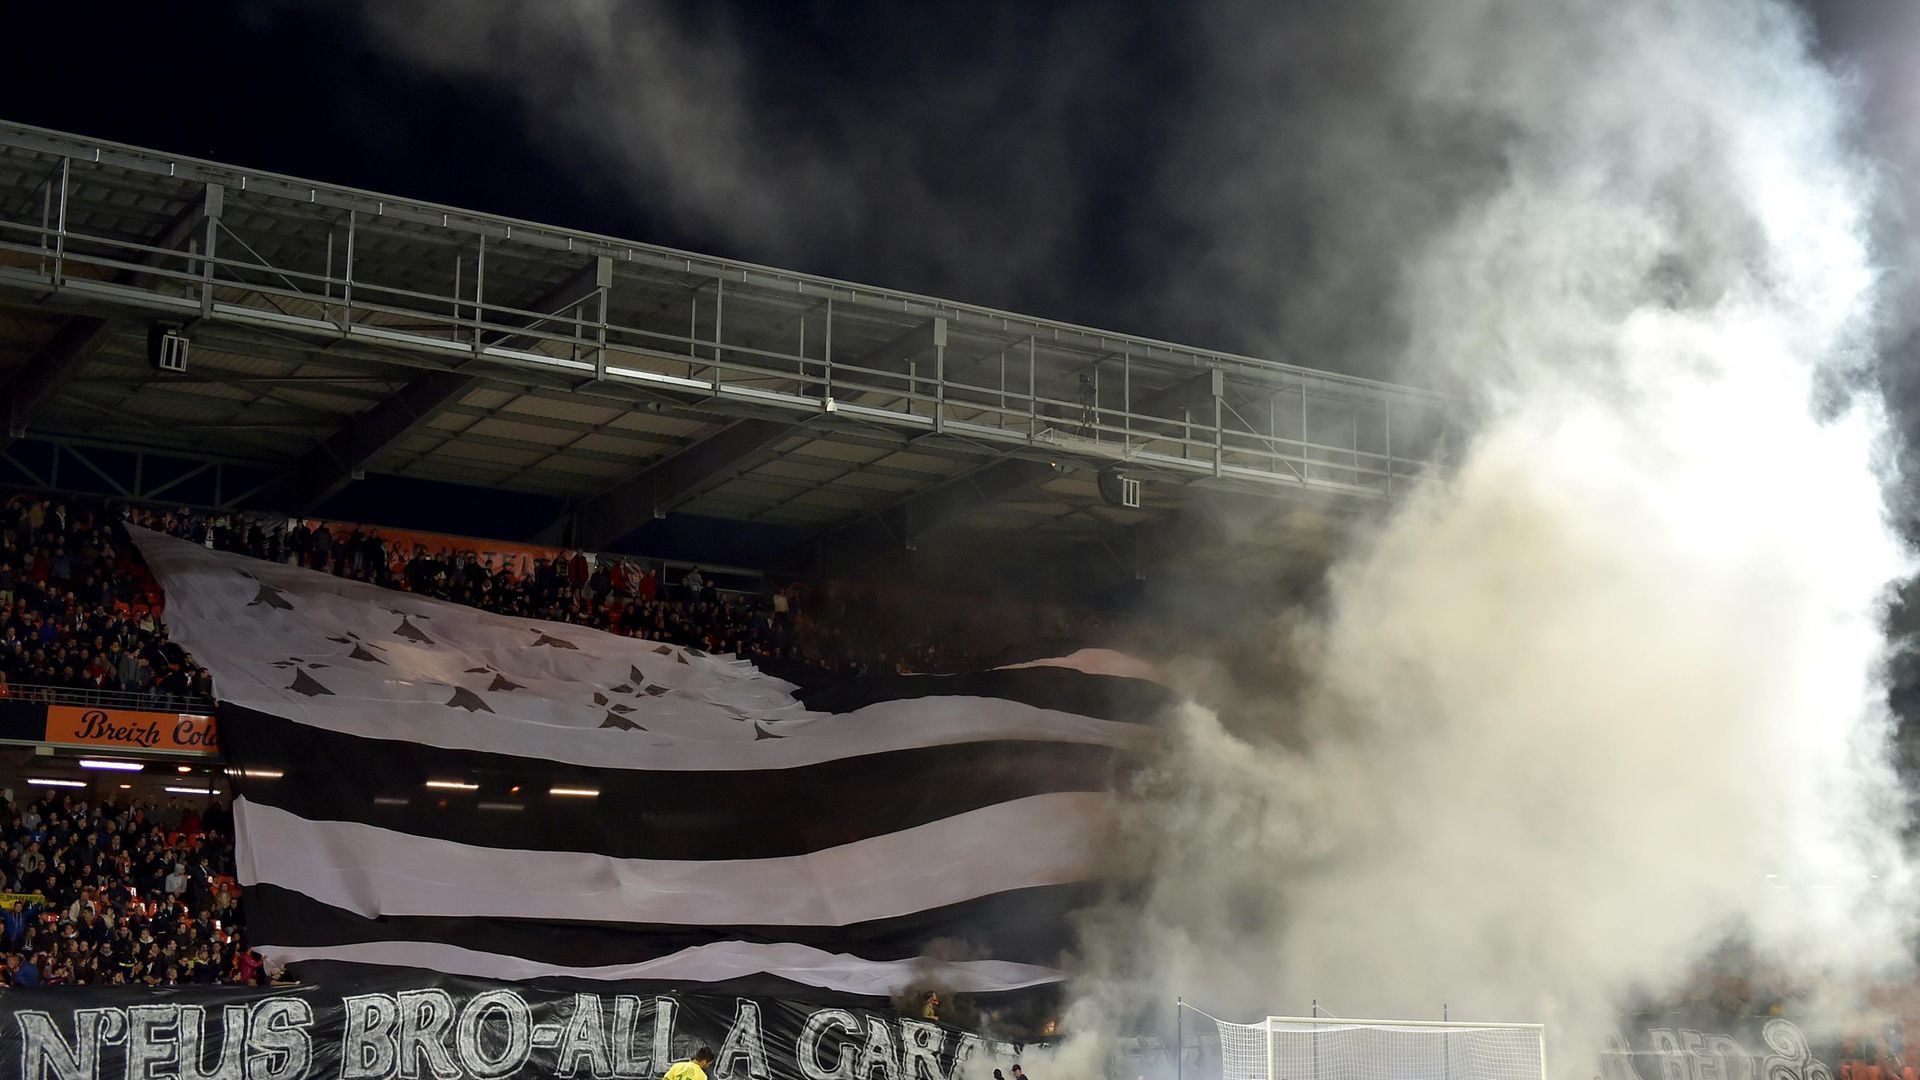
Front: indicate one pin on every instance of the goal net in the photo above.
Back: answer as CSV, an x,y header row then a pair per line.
x,y
1291,1048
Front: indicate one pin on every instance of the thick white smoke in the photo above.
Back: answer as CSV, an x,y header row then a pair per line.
x,y
1612,694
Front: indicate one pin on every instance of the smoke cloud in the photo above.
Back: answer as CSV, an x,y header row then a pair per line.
x,y
1612,695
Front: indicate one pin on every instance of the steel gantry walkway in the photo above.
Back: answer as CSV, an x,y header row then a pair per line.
x,y
415,336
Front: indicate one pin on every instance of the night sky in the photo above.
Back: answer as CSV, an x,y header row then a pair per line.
x,y
1158,169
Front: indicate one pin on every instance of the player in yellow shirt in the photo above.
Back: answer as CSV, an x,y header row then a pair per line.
x,y
695,1069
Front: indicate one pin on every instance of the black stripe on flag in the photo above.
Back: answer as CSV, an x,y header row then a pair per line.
x,y
1029,926
1105,697
323,775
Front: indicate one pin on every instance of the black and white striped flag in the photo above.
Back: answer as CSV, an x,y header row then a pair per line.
x,y
427,785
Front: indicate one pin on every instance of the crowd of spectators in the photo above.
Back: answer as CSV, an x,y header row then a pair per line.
x,y
78,613
108,894
619,595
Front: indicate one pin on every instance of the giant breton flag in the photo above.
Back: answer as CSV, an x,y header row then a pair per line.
x,y
425,785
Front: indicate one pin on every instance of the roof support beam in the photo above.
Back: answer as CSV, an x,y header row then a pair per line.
x,y
633,502
339,460
328,468
40,379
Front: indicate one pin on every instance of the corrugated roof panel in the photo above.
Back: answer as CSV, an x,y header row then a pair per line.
x,y
585,412
797,470
653,423
488,397
614,444
527,432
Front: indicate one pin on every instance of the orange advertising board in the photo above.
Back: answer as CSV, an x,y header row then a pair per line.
x,y
131,729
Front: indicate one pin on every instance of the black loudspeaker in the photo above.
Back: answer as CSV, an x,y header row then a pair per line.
x,y
167,349
1118,488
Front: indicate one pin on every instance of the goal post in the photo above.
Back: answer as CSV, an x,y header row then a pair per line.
x,y
1326,1048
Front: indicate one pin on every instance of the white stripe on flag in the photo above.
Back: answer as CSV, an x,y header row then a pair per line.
x,y
1049,839
701,963
1096,662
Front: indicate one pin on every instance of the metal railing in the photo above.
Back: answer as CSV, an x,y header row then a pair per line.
x,y
147,701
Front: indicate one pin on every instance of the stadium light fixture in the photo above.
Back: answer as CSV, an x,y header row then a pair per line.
x,y
183,768
452,785
120,766
194,791
579,792
47,781
257,774
126,787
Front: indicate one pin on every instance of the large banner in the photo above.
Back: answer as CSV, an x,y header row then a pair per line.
x,y
1687,1046
428,1027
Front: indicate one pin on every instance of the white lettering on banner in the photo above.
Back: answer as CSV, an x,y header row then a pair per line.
x,y
369,1049
1788,1056
426,1016
512,1025
233,1043
665,1009
585,1040
434,1033
744,1040
152,1032
846,1058
920,1046
1731,1060
878,1053
45,1051
630,1060
278,1047
969,1044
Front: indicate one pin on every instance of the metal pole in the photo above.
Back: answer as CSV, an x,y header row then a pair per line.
x,y
1316,1044
346,276
826,354
479,297
1306,459
1179,1037
1033,400
693,332
1386,409
60,240
327,308
46,217
214,203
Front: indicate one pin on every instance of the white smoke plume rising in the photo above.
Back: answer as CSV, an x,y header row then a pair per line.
x,y
1613,693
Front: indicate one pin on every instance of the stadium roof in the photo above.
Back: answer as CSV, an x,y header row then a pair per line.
x,y
336,334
